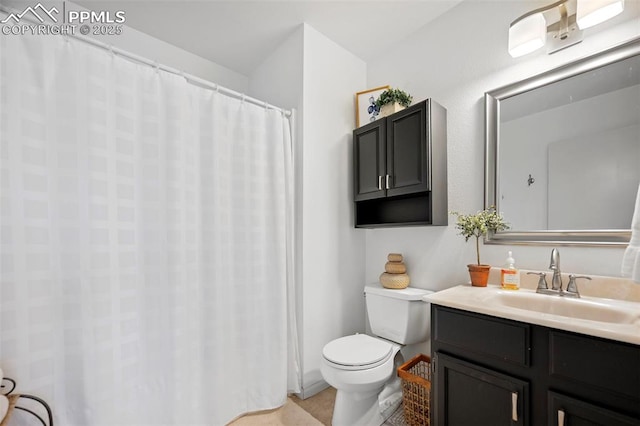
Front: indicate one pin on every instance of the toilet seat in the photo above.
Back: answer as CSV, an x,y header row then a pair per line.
x,y
357,352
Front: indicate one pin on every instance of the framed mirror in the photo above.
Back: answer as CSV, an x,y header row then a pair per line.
x,y
562,158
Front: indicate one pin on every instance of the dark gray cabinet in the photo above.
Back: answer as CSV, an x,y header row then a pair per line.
x,y
471,395
370,153
564,411
560,378
400,168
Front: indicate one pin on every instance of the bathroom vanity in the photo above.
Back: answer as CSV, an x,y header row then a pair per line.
x,y
492,369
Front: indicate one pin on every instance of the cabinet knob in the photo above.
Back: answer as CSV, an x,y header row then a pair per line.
x,y
514,406
379,183
387,182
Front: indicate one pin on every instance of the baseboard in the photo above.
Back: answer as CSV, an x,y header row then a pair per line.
x,y
309,390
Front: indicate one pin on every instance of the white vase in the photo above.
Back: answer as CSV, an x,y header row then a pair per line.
x,y
388,109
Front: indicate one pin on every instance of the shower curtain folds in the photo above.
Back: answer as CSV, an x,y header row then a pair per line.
x,y
146,273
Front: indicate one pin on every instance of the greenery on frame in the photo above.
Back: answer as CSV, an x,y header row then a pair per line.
x,y
390,96
479,224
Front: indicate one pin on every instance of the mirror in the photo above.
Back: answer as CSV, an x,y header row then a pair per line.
x,y
563,152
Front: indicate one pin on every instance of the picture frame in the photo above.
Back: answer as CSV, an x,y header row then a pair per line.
x,y
366,111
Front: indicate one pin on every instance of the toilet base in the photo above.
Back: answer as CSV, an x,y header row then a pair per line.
x,y
367,409
357,409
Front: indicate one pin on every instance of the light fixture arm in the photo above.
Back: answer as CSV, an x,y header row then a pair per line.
x,y
563,31
539,10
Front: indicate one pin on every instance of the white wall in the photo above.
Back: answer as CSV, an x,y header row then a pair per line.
x,y
278,80
455,60
318,77
164,53
333,250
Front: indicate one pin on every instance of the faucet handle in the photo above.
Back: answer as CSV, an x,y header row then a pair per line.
x,y
572,288
542,282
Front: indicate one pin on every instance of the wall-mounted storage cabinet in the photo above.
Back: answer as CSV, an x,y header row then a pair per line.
x,y
400,168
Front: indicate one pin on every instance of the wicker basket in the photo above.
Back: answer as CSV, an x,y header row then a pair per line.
x,y
396,281
416,389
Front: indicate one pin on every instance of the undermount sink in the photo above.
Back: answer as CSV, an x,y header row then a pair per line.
x,y
587,309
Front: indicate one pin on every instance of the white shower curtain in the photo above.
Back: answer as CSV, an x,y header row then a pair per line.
x,y
146,232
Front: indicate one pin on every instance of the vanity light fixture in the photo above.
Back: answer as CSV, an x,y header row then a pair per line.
x,y
558,25
527,34
593,12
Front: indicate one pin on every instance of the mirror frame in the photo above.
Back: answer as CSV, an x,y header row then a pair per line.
x,y
616,237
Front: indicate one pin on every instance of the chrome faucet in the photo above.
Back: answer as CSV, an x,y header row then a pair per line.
x,y
556,281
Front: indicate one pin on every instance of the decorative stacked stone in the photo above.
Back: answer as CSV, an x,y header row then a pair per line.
x,y
395,272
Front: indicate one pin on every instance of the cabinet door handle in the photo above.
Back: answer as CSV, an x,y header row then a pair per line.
x,y
386,179
560,417
429,156
379,183
514,406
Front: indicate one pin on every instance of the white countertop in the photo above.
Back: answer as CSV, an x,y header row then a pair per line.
x,y
486,300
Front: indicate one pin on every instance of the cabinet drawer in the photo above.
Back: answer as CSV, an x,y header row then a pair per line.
x,y
484,335
601,364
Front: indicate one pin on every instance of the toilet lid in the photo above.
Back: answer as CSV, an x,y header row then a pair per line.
x,y
357,350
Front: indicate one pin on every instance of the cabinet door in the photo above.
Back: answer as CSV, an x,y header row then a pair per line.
x,y
469,395
369,161
566,411
408,150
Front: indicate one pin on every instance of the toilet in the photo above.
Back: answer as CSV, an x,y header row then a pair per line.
x,y
363,368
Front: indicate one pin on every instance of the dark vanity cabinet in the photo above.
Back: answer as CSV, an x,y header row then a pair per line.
x,y
400,168
480,396
493,371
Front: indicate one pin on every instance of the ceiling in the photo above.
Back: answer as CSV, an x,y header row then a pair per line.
x,y
241,34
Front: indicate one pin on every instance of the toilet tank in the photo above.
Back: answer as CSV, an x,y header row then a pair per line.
x,y
398,315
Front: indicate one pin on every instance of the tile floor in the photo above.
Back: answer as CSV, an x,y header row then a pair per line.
x,y
290,414
314,411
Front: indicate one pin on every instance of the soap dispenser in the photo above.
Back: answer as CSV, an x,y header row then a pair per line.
x,y
510,276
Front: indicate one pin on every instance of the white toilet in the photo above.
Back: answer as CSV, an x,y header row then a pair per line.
x,y
362,367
